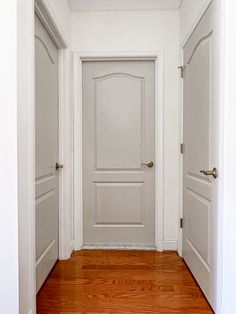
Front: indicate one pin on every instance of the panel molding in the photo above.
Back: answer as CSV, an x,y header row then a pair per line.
x,y
47,249
201,41
98,81
45,47
98,222
78,59
195,23
118,74
48,19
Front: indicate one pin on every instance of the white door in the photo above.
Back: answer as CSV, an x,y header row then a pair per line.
x,y
201,153
46,152
118,138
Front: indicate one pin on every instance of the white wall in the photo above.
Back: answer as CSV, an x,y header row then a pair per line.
x,y
8,159
143,31
190,12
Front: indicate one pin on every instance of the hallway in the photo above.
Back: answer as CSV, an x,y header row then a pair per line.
x,y
121,282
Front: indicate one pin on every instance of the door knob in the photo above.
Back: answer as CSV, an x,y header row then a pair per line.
x,y
212,172
149,164
59,166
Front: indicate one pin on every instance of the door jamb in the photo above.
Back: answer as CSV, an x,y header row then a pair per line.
x,y
158,57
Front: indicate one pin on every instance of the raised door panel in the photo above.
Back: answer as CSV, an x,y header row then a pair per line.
x,y
197,228
113,205
197,152
46,109
197,111
119,143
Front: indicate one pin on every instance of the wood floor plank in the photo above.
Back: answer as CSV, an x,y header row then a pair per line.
x,y
127,282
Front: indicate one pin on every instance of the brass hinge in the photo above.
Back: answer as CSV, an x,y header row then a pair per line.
x,y
181,148
182,71
181,223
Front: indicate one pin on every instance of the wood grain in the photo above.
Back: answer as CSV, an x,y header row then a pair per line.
x,y
127,282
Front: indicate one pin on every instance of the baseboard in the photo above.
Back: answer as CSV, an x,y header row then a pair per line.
x,y
119,247
77,246
71,249
170,245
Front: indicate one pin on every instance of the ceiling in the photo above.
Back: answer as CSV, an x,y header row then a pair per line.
x,y
119,5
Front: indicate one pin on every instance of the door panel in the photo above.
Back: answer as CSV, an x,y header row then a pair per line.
x,y
46,152
118,136
201,153
118,97
112,199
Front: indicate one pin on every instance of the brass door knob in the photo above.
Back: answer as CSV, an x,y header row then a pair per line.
x,y
212,172
149,164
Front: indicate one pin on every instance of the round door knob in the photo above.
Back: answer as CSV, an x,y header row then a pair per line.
x,y
149,164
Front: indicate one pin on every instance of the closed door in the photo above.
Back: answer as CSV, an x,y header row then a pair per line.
x,y
201,153
46,152
118,142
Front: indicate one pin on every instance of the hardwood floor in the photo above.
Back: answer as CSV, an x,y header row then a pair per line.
x,y
124,282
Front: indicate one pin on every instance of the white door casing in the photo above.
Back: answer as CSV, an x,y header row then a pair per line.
x,y
200,201
46,152
118,136
78,59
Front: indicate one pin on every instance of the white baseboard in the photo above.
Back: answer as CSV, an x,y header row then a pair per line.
x,y
71,249
77,246
119,247
170,245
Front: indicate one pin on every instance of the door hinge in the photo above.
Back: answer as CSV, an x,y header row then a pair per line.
x,y
182,71
181,223
181,148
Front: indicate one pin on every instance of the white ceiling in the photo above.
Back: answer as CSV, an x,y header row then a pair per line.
x,y
118,5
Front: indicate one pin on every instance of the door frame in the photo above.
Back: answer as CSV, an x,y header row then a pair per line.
x,y
26,143
78,59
